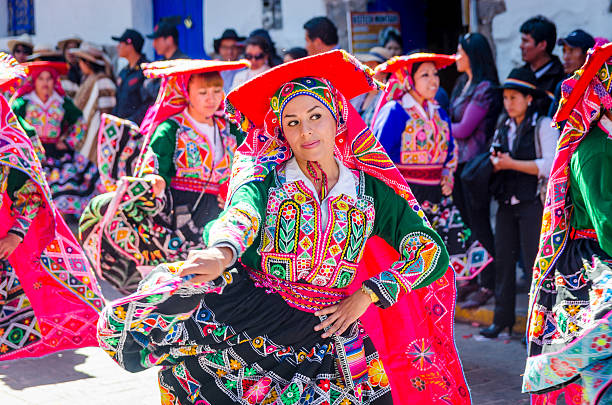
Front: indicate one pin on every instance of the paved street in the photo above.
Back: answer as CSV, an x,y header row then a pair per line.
x,y
89,377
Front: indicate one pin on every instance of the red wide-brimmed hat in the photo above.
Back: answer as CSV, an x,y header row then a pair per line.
x,y
167,68
591,67
10,71
398,62
36,67
340,68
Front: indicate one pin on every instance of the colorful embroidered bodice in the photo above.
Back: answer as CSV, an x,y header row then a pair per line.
x,y
296,247
194,152
46,119
274,227
424,140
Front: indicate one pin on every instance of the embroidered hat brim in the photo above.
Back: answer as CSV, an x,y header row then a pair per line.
x,y
10,71
176,67
406,61
60,67
340,68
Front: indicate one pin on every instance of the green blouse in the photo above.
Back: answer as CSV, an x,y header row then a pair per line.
x,y
274,227
591,186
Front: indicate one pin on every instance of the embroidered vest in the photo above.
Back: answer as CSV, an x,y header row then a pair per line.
x,y
46,120
424,142
296,247
194,156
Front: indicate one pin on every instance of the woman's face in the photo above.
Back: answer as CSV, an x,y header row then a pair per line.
x,y
204,98
426,80
516,103
43,86
393,47
310,129
463,60
256,56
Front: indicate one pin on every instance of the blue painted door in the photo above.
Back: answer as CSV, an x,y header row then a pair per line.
x,y
191,31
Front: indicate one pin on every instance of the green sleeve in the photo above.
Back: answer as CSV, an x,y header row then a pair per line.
x,y
16,180
423,256
27,199
593,183
159,158
71,112
238,225
19,107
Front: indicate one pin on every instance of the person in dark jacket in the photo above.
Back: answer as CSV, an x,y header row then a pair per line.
x,y
575,48
522,153
165,38
538,39
132,98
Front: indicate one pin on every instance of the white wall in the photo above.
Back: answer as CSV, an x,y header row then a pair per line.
x,y
589,15
93,20
247,16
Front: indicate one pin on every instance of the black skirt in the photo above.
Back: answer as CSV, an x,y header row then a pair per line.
x,y
250,347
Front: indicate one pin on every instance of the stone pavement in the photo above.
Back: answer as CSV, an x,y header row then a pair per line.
x,y
89,377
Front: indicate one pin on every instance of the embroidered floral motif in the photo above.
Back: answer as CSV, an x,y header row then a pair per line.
x,y
238,226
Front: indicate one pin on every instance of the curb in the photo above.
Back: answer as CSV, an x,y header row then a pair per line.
x,y
484,316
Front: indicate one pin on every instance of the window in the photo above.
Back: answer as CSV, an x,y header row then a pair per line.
x,y
20,17
272,16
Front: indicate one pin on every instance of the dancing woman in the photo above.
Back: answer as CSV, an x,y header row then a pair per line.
x,y
42,103
274,309
49,298
569,311
159,215
416,134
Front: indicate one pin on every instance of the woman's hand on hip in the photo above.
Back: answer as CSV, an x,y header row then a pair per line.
x,y
8,244
206,264
344,314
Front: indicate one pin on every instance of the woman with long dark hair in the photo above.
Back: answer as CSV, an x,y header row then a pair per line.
x,y
474,109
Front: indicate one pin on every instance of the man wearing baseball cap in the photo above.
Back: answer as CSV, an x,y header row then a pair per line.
x,y
165,38
132,99
575,47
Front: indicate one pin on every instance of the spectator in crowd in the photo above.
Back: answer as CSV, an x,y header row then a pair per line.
x,y
522,155
392,40
295,53
72,80
165,38
273,57
575,48
257,52
132,99
416,134
475,106
366,103
226,46
21,47
538,39
96,95
321,35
